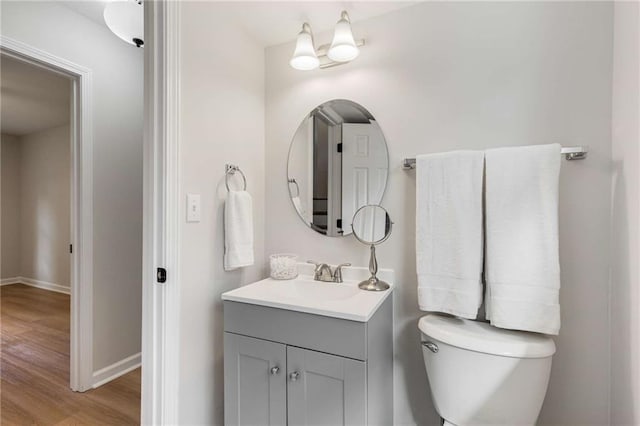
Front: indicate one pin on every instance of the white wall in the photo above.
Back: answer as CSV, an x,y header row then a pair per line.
x,y
118,122
45,205
440,76
625,291
10,206
222,121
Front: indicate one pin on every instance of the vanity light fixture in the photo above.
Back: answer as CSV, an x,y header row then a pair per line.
x,y
126,20
305,57
343,49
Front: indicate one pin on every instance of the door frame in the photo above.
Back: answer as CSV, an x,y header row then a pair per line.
x,y
161,226
161,236
81,333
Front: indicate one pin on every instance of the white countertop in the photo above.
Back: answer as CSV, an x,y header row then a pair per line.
x,y
303,294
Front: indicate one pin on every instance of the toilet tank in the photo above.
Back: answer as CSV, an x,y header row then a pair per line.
x,y
482,375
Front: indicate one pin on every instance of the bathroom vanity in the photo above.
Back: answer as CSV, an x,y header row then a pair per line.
x,y
306,352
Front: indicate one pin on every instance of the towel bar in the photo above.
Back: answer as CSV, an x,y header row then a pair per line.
x,y
569,152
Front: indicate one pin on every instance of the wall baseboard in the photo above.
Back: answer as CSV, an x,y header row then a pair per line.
x,y
43,285
115,370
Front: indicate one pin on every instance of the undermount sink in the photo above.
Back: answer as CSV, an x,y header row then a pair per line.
x,y
303,294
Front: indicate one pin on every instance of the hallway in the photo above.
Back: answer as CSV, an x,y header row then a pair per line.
x,y
34,386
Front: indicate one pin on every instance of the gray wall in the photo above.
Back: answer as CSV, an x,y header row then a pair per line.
x,y
45,205
442,76
36,186
222,121
117,136
625,293
10,206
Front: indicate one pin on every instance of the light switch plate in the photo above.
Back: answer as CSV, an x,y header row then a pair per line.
x,y
193,208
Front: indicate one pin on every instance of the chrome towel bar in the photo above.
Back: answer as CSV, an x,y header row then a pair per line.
x,y
569,152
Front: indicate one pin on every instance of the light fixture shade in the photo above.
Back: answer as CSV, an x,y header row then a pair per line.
x,y
343,47
304,56
126,20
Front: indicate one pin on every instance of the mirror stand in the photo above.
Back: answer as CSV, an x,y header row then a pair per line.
x,y
373,283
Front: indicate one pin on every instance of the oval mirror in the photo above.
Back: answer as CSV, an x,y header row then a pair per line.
x,y
338,162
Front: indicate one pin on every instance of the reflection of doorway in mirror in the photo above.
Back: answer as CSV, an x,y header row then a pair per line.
x,y
364,166
334,206
321,173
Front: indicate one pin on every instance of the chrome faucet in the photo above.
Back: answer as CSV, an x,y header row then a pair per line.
x,y
323,272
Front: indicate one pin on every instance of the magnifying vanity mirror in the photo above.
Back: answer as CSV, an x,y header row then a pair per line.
x,y
338,162
372,226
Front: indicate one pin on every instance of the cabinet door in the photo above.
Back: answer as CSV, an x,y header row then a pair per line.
x,y
255,386
325,389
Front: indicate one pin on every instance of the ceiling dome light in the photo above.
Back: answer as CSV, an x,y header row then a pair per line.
x,y
304,56
126,20
343,47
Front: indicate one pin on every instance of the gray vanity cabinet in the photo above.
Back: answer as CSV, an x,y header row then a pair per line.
x,y
275,384
284,367
255,375
330,390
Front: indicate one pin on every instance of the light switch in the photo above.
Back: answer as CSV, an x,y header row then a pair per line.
x,y
193,208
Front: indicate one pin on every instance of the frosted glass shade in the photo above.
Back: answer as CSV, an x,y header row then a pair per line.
x,y
126,20
343,47
304,56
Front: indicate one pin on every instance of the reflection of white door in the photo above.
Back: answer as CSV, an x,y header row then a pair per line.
x,y
364,167
371,225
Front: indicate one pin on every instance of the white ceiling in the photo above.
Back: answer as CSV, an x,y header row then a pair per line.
x,y
92,9
33,99
274,22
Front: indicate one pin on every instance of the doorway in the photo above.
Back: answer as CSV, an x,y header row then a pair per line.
x,y
80,232
47,302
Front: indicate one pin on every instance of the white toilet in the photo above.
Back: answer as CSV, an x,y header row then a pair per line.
x,y
482,375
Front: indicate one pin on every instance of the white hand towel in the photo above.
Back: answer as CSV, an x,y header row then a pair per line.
x,y
449,243
522,266
238,230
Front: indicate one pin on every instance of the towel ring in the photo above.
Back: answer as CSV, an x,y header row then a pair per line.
x,y
231,170
293,181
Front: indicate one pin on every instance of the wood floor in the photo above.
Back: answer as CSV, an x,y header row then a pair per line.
x,y
34,367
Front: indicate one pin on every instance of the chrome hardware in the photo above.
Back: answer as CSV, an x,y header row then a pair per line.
x,y
294,376
337,273
575,152
230,170
570,153
431,346
322,272
274,370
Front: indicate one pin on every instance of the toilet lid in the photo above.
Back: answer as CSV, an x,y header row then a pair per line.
x,y
482,337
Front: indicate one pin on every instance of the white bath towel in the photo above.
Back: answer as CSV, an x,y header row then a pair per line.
x,y
522,263
238,230
449,242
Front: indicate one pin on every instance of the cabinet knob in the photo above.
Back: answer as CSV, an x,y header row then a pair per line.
x,y
275,370
294,376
